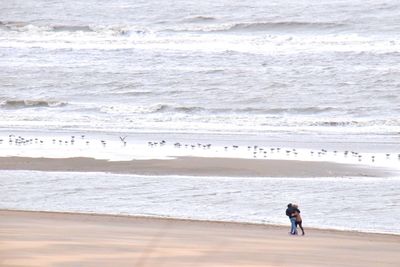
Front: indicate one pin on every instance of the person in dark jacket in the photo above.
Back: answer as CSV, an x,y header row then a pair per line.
x,y
290,212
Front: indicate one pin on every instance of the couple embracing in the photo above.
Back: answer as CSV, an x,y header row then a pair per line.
x,y
293,213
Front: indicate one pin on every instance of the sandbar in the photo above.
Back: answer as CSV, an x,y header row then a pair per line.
x,y
197,166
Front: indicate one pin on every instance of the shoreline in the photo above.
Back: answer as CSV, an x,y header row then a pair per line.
x,y
199,221
198,166
39,239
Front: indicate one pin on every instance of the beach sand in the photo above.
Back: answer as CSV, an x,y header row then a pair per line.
x,y
67,239
197,166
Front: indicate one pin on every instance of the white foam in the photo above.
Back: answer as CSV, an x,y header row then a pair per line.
x,y
110,38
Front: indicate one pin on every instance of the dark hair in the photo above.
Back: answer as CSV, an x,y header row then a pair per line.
x,y
289,205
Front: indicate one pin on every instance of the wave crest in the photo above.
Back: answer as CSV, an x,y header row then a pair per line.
x,y
15,104
161,108
197,19
261,26
126,109
109,29
196,24
283,25
67,28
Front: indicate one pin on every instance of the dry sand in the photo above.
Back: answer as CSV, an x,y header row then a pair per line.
x,y
232,167
66,239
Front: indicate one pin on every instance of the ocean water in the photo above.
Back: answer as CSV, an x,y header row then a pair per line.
x,y
358,204
297,71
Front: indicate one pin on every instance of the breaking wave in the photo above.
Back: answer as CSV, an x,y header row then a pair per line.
x,y
269,111
66,28
199,24
161,108
15,104
197,19
110,29
24,26
285,25
282,26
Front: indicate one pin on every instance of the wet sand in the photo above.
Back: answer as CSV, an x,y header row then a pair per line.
x,y
196,166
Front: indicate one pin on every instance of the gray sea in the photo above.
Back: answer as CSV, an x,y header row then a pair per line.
x,y
284,70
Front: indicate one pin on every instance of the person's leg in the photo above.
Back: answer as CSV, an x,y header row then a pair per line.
x,y
301,227
293,229
291,225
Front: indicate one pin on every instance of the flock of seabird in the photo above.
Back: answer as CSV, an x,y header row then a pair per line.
x,y
256,150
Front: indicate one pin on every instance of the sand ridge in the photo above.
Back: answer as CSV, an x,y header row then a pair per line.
x,y
197,166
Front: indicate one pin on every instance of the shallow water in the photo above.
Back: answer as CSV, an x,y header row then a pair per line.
x,y
361,204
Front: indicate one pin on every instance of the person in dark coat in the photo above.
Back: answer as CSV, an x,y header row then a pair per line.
x,y
290,212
